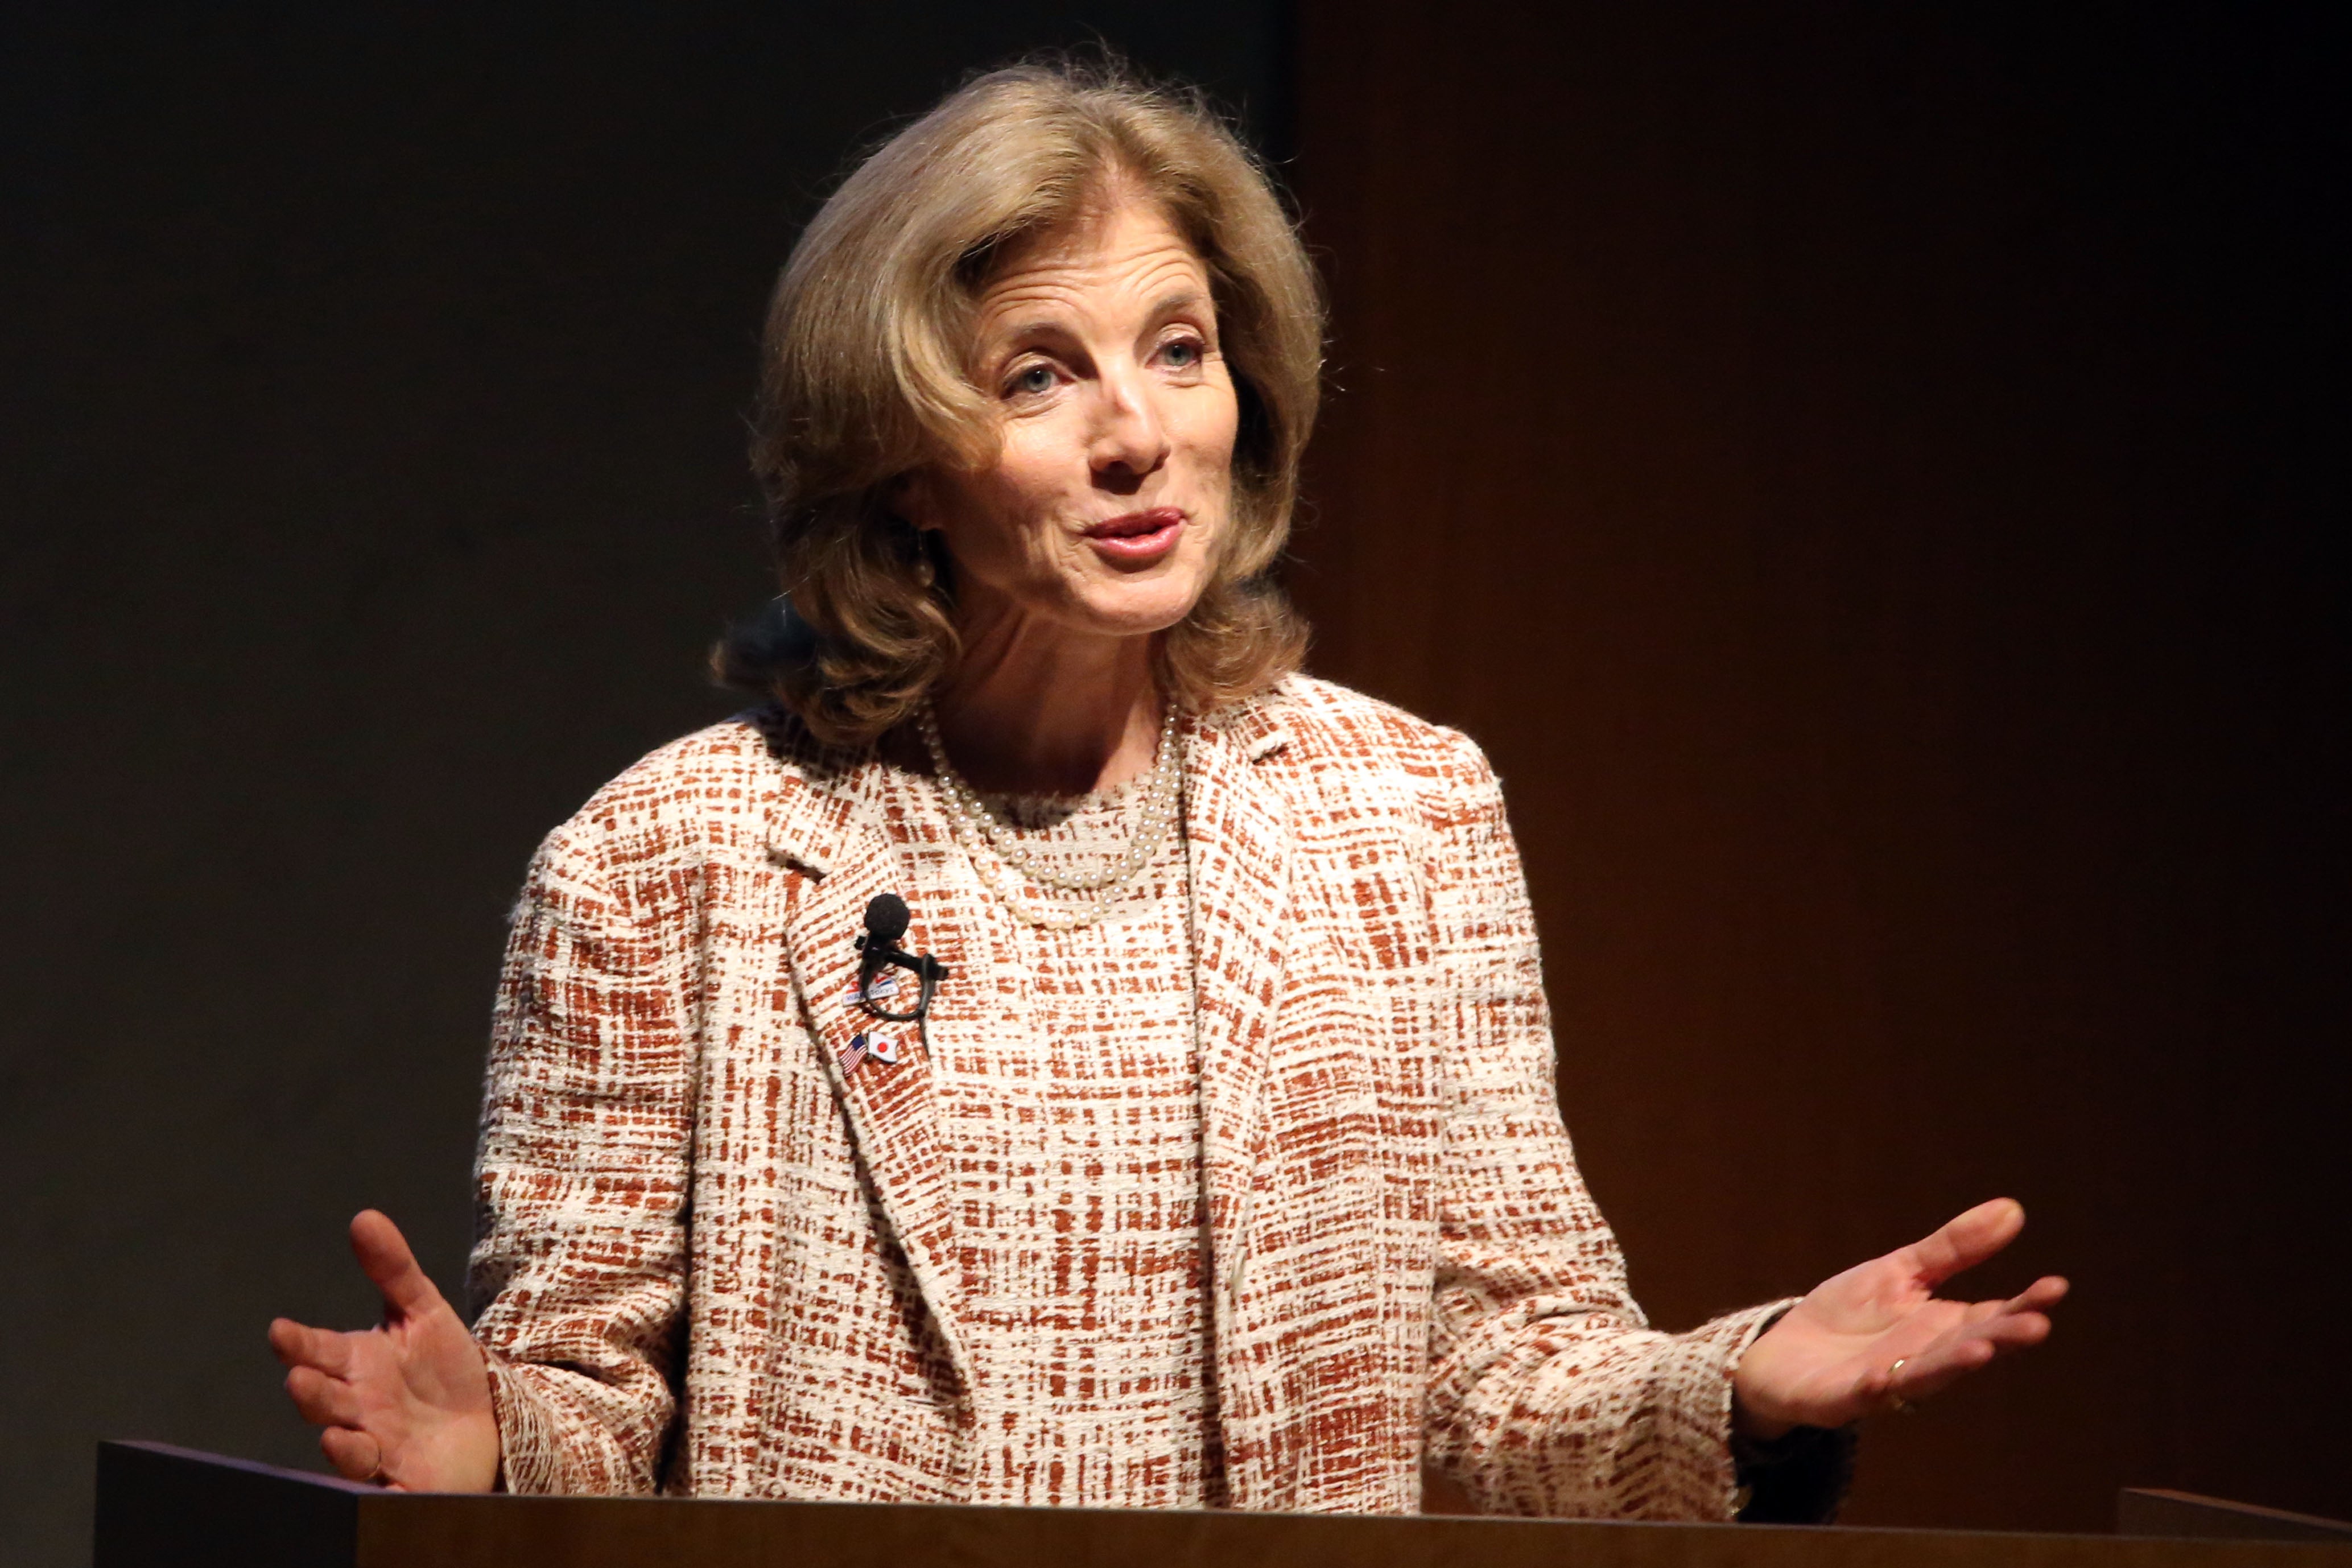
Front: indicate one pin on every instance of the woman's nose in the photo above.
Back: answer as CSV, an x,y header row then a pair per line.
x,y
1130,434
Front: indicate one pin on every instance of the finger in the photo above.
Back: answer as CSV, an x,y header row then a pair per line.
x,y
299,1345
1931,1372
2035,1300
2011,1331
355,1455
1979,1312
1940,1365
323,1401
390,1265
1966,1240
2042,1295
2006,1324
2000,1319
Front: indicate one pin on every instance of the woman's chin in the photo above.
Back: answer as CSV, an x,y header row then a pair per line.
x,y
1131,626
1137,607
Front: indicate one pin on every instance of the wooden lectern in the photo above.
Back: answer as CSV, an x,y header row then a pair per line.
x,y
160,1507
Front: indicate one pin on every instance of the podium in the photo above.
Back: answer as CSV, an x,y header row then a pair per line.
x,y
161,1507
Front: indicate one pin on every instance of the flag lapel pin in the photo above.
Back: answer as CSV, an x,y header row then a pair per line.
x,y
853,1053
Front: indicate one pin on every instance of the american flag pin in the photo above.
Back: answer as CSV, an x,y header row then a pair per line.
x,y
853,1053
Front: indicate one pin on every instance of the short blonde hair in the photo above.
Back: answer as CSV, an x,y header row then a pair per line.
x,y
866,379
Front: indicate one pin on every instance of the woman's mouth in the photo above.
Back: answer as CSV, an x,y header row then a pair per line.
x,y
1138,537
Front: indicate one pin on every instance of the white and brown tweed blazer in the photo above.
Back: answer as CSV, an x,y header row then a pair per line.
x,y
712,1263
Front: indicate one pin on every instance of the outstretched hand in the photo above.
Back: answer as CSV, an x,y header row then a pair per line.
x,y
1876,1337
407,1403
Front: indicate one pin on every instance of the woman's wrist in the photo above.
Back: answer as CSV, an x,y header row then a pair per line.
x,y
1754,1415
1757,1429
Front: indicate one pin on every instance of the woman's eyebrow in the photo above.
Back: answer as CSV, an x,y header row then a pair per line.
x,y
1035,327
1176,301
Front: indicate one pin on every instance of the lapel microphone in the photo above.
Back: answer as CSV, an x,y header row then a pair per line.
x,y
885,921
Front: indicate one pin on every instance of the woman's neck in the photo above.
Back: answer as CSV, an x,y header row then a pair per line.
x,y
1036,710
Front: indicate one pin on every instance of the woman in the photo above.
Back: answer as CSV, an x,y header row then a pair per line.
x,y
1225,1168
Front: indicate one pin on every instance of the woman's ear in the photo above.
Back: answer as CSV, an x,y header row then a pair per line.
x,y
910,497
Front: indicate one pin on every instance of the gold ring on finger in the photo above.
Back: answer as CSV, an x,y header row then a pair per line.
x,y
1902,1406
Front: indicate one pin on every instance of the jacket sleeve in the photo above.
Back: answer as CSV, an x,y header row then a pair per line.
x,y
581,1178
1550,1394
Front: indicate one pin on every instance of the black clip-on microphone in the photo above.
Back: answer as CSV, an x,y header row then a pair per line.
x,y
886,922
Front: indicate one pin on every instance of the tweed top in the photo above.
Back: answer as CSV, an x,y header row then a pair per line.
x,y
711,1260
1075,1153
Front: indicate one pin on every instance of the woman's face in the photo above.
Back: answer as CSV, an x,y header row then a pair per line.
x,y
1111,491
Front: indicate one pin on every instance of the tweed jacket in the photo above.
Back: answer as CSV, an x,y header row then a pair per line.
x,y
711,1262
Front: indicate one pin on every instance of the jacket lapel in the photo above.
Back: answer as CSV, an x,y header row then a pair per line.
x,y
892,1108
1238,837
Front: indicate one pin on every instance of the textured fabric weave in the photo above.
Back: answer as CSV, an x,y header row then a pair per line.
x,y
1076,1154
1404,1268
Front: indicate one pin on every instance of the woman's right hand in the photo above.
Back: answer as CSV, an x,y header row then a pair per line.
x,y
408,1403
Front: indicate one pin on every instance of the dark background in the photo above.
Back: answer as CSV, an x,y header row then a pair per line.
x,y
372,479
1865,474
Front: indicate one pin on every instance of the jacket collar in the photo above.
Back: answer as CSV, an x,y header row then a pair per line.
x,y
829,810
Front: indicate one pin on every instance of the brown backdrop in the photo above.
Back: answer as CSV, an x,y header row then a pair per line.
x,y
1858,473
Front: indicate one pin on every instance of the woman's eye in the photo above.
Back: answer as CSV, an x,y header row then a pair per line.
x,y
1181,355
1034,379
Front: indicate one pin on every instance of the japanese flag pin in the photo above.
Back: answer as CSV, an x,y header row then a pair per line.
x,y
883,1049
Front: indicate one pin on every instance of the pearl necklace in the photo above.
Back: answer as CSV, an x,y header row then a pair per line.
x,y
978,829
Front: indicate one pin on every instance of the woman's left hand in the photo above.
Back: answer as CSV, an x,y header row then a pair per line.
x,y
1877,1338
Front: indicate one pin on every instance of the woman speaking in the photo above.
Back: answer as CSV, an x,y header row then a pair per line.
x,y
1195,1145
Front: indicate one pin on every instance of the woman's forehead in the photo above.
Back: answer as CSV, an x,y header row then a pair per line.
x,y
1123,251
